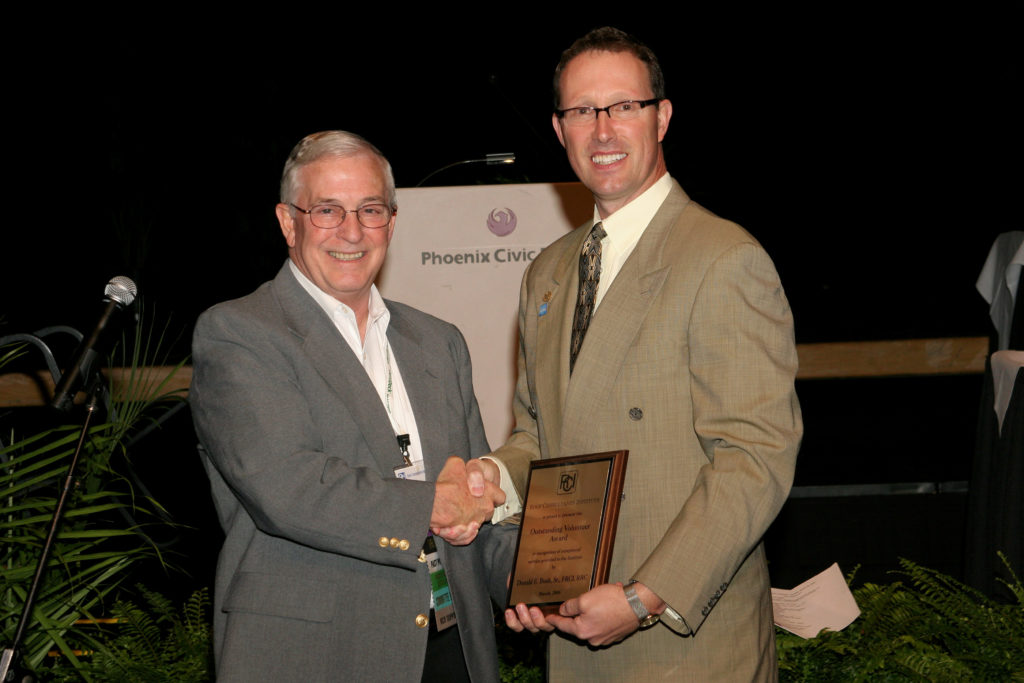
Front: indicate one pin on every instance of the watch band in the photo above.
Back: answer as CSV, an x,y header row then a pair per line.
x,y
639,609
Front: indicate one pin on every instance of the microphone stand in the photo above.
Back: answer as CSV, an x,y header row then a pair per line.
x,y
489,159
94,391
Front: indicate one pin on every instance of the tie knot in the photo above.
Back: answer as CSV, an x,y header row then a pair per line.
x,y
593,240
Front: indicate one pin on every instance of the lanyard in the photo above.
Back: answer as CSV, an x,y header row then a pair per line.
x,y
404,440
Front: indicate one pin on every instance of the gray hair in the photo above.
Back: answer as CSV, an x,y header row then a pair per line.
x,y
331,143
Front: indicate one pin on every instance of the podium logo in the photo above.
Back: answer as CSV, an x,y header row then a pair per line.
x,y
567,482
501,222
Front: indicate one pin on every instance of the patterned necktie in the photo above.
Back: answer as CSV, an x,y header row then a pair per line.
x,y
590,274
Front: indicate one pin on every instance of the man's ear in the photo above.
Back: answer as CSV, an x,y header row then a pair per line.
x,y
664,116
557,124
287,223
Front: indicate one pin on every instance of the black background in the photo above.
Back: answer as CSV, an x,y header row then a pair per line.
x,y
875,155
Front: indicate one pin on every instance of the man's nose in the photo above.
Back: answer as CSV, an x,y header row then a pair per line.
x,y
604,129
350,229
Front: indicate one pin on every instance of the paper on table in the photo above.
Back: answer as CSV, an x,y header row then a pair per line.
x,y
823,601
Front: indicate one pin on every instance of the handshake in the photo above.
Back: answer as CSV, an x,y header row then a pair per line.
x,y
465,496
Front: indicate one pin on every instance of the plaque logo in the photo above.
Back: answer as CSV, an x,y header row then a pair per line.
x,y
567,482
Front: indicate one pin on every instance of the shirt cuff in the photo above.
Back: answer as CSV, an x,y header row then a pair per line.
x,y
513,505
675,621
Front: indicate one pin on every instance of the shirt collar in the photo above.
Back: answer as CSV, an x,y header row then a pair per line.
x,y
637,214
332,307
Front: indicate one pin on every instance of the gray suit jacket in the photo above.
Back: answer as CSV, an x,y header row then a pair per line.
x,y
319,577
688,363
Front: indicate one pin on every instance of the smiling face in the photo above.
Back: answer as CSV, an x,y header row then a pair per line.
x,y
616,160
342,261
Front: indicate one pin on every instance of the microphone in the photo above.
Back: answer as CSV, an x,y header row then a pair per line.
x,y
119,293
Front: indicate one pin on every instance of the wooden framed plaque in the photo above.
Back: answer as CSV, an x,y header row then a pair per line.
x,y
568,527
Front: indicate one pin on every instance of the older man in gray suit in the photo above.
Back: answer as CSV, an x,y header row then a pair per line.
x,y
328,417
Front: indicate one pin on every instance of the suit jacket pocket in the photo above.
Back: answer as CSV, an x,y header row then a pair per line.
x,y
278,596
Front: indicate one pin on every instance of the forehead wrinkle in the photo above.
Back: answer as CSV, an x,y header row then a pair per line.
x,y
591,102
372,199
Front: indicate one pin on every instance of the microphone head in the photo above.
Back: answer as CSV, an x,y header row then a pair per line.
x,y
121,289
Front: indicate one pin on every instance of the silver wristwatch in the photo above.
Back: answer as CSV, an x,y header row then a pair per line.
x,y
643,616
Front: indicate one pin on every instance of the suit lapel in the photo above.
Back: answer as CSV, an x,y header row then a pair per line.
x,y
422,383
554,330
341,370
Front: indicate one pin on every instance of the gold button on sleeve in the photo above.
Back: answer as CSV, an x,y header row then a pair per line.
x,y
394,542
383,542
403,544
422,621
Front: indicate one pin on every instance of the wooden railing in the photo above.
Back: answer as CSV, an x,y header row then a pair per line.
x,y
907,357
901,358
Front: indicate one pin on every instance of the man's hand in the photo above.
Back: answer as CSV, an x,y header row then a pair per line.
x,y
602,616
524,618
480,473
458,512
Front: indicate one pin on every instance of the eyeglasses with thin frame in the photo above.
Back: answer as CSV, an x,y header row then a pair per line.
x,y
330,216
620,111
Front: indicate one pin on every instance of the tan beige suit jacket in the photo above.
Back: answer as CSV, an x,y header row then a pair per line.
x,y
689,364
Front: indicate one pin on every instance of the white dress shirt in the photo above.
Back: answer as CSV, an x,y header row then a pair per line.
x,y
374,352
623,230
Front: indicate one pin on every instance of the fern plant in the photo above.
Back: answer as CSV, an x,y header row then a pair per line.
x,y
155,643
929,628
95,547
